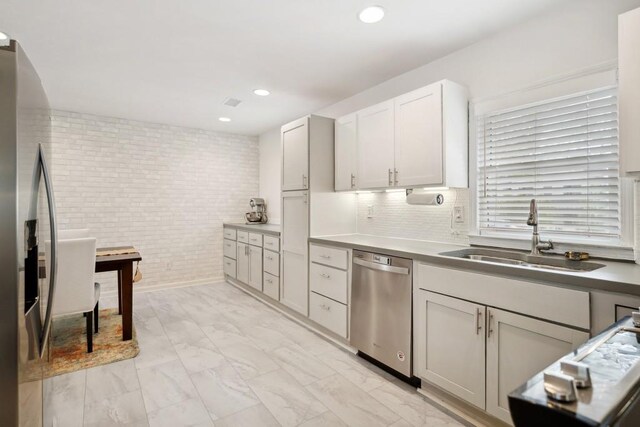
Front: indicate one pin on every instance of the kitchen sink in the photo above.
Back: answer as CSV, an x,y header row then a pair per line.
x,y
519,259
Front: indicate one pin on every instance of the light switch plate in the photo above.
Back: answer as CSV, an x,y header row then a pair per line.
x,y
369,211
458,214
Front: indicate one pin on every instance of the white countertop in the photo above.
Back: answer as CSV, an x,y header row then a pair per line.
x,y
258,228
623,277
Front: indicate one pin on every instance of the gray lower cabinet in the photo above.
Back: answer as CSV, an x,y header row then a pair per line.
x,y
254,259
480,353
249,265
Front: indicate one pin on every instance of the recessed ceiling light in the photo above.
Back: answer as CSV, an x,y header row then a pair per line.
x,y
224,119
3,36
261,92
371,14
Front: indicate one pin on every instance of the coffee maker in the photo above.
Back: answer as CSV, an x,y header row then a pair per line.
x,y
258,214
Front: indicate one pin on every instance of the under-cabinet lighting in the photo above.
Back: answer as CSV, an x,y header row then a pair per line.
x,y
224,119
3,36
371,14
395,190
261,92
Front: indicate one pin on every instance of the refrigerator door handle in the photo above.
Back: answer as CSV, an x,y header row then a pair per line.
x,y
46,329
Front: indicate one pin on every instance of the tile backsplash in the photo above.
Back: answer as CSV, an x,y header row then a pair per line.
x,y
164,189
393,217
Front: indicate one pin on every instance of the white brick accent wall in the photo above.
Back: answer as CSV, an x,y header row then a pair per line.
x,y
393,217
164,189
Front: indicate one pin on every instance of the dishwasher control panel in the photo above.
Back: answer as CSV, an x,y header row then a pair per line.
x,y
381,259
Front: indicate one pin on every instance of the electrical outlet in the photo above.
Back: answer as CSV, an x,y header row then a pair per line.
x,y
369,211
458,214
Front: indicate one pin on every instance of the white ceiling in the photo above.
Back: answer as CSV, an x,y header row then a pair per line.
x,y
175,62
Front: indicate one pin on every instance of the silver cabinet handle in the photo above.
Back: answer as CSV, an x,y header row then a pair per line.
x,y
325,256
54,246
325,275
478,318
390,177
269,281
353,181
305,198
490,327
270,258
395,176
325,307
304,180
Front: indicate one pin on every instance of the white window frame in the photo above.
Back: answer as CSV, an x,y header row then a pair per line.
x,y
585,80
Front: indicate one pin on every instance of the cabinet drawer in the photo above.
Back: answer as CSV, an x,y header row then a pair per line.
x,y
229,233
271,286
329,256
229,248
243,236
229,267
328,313
272,263
272,243
329,282
255,239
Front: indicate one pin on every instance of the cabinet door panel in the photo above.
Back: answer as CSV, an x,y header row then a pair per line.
x,y
375,146
295,155
418,137
295,222
255,267
242,262
295,282
450,345
346,153
519,347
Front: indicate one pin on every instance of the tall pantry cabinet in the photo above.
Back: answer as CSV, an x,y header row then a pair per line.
x,y
309,204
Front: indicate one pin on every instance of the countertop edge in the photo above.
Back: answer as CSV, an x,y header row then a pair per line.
x,y
258,228
549,278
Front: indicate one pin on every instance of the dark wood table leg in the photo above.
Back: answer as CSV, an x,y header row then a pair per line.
x,y
127,301
119,291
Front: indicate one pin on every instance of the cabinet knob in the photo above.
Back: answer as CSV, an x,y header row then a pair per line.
x,y
326,276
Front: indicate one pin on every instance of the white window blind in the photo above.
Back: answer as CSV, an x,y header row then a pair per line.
x,y
562,152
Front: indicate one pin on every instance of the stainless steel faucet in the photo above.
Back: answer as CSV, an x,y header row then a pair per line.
x,y
536,244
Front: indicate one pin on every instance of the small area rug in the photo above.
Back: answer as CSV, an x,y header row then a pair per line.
x,y
69,343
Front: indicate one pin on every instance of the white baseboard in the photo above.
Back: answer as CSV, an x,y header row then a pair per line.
x,y
161,286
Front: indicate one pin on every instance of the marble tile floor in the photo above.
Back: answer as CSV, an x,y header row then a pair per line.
x,y
213,355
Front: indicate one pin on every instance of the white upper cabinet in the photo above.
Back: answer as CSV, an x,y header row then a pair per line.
x,y
346,153
295,155
418,137
375,146
629,91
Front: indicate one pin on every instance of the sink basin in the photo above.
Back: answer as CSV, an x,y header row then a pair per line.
x,y
519,259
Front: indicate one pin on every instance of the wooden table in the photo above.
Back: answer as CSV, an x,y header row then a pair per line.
x,y
123,265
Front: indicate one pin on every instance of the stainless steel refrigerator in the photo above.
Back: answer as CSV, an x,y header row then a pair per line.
x,y
27,219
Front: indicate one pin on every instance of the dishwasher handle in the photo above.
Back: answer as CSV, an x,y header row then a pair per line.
x,y
381,267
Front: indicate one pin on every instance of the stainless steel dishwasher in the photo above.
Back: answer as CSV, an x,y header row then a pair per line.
x,y
381,309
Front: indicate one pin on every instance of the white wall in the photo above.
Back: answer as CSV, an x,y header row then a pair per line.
x,y
164,189
569,39
270,155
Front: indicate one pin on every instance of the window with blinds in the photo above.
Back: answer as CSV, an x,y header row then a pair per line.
x,y
564,153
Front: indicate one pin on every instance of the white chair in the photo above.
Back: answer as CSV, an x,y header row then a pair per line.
x,y
76,290
77,233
